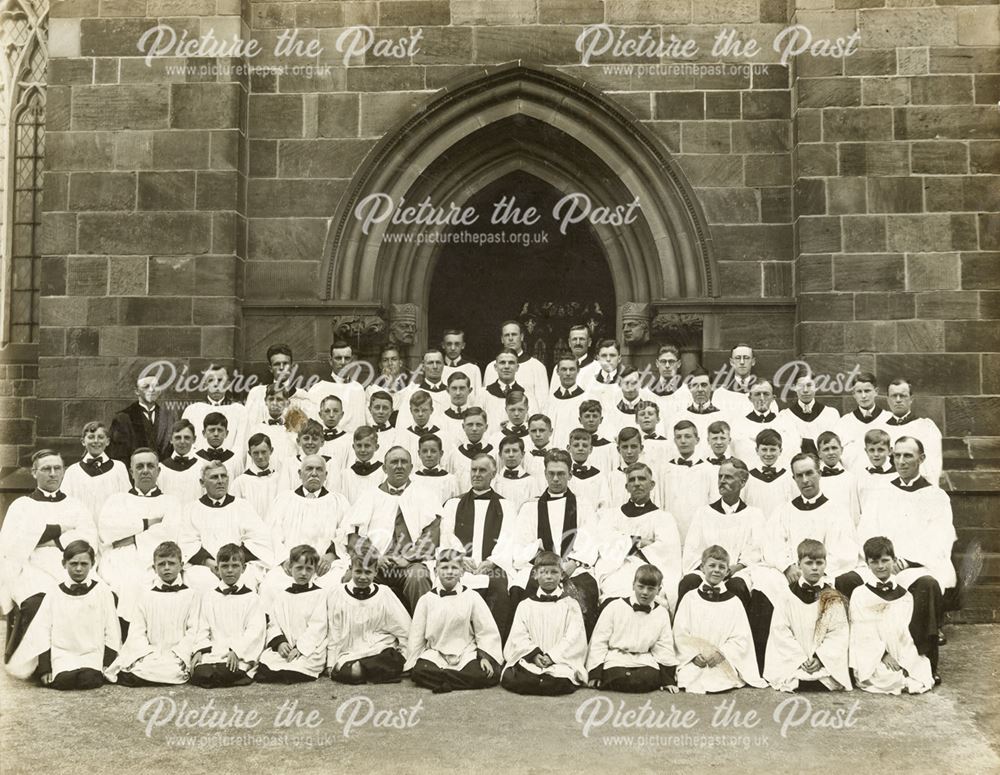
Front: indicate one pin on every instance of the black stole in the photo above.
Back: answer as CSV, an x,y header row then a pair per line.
x,y
569,523
465,521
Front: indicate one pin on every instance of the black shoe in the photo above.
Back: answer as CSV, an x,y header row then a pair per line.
x,y
942,640
937,680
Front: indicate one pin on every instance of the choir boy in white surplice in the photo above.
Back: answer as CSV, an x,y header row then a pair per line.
x,y
341,384
769,486
540,434
310,442
336,441
513,482
656,447
516,424
96,477
218,518
547,648
421,408
364,471
603,456
161,638
215,431
494,395
587,367
589,482
609,359
131,525
75,634
453,344
232,626
34,532
624,400
904,423
367,625
216,382
454,642
879,472
745,427
671,394
296,624
632,649
839,484
480,524
730,523
430,474
701,411
402,520
277,407
457,460
715,650
431,382
688,480
807,416
917,517
311,515
450,420
559,521
180,473
530,372
810,515
382,413
285,379
634,534
852,427
263,478
564,400
720,448
883,655
807,646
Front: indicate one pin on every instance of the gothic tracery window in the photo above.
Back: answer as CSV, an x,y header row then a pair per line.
x,y
23,63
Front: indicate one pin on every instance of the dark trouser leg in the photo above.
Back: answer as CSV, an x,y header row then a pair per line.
x,y
218,675
409,583
345,674
520,681
383,668
498,601
265,674
17,623
72,680
586,594
472,676
759,615
425,673
631,679
926,619
133,681
811,686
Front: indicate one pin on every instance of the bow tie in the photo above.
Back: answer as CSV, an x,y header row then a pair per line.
x,y
394,491
813,589
92,464
447,592
768,469
213,453
475,447
713,593
265,472
78,589
432,472
332,433
511,473
756,417
828,471
654,437
703,409
873,470
230,590
640,608
517,429
625,408
579,468
381,428
538,452
541,597
279,421
884,586
297,589
362,593
365,468
169,588
717,461
682,462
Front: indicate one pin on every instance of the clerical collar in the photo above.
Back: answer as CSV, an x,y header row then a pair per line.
x,y
153,492
395,490
810,501
553,497
303,492
917,483
52,497
479,493
727,509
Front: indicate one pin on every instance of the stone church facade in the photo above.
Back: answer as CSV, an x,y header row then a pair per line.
x,y
841,210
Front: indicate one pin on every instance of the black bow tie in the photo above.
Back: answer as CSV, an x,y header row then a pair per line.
x,y
717,461
279,421
579,468
365,468
625,408
447,592
230,590
538,452
814,588
394,491
711,592
297,589
169,588
511,473
473,448
654,437
768,469
362,593
432,472
828,471
873,470
884,586
682,462
265,472
757,417
639,607
541,597
213,453
330,434
381,428
517,429
78,589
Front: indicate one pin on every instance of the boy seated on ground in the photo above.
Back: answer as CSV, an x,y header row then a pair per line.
x,y
632,648
231,627
296,624
882,653
75,633
714,646
809,636
368,625
454,642
161,637
547,645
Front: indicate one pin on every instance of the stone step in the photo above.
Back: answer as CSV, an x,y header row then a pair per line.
x,y
981,604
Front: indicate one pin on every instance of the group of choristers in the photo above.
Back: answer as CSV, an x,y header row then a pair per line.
x,y
473,530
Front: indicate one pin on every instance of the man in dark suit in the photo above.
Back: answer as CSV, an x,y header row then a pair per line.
x,y
143,423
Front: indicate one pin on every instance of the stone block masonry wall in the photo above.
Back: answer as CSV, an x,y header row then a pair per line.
x,y
18,385
144,203
897,209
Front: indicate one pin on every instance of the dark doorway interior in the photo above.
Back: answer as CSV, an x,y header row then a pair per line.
x,y
547,285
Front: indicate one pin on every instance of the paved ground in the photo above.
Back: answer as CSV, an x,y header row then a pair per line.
x,y
403,729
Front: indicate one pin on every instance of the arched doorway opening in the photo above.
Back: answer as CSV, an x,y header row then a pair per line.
x,y
537,275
